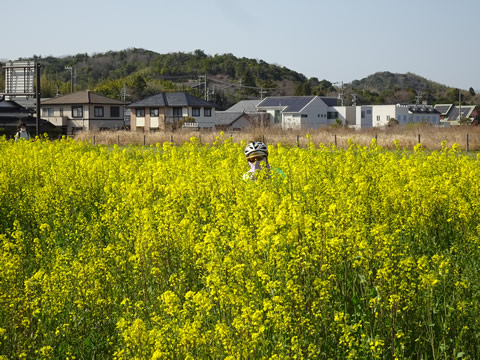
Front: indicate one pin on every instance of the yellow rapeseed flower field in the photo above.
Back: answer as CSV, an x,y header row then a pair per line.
x,y
164,252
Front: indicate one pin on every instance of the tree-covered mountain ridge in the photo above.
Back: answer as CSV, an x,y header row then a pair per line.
x,y
134,73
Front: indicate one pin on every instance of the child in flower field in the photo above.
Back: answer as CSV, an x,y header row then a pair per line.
x,y
256,154
22,133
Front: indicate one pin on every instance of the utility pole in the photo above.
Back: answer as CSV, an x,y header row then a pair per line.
x,y
71,77
37,93
261,93
204,77
124,94
417,99
354,99
74,79
340,94
459,105
210,92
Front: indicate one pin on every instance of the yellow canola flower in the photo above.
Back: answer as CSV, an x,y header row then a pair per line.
x,y
165,252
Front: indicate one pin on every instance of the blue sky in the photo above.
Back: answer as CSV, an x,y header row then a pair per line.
x,y
341,40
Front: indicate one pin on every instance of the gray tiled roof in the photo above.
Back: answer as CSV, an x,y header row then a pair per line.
x,y
245,106
330,101
293,103
166,99
227,117
81,97
8,105
288,103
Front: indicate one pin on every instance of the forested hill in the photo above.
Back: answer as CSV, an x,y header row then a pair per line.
x,y
140,73
391,88
132,74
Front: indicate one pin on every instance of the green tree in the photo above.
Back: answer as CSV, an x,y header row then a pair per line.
x,y
303,89
137,87
248,83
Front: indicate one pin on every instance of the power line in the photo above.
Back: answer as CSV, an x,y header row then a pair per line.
x,y
240,86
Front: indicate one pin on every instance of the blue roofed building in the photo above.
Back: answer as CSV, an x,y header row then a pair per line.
x,y
300,112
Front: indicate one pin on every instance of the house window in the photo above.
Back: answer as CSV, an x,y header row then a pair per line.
x,y
378,117
77,111
207,112
195,111
98,111
154,112
363,114
140,113
61,111
115,111
177,111
304,115
47,111
332,115
369,112
388,117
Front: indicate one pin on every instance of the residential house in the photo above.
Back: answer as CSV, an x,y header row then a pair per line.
x,y
84,110
169,111
246,106
450,114
12,114
233,121
366,116
298,112
357,117
246,110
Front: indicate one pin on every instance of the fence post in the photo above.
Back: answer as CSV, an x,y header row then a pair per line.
x,y
118,139
419,139
468,143
376,137
335,140
298,140
93,140
171,139
144,139
263,139
200,138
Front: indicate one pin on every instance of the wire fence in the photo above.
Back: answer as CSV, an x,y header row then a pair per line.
x,y
467,138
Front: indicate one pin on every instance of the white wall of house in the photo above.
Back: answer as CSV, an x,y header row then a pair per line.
x,y
276,115
313,115
383,113
316,114
62,115
363,117
291,121
347,114
203,120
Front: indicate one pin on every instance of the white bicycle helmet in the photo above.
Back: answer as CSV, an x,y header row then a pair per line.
x,y
256,148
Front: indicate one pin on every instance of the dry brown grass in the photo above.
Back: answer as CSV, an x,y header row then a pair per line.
x,y
407,137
